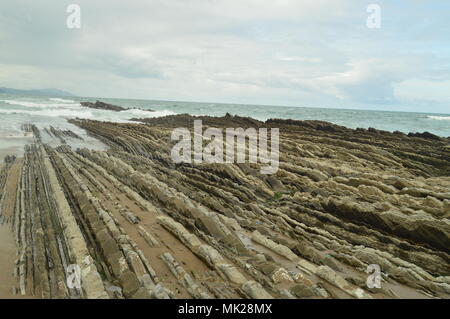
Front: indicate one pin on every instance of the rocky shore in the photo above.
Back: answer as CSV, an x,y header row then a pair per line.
x,y
140,226
98,105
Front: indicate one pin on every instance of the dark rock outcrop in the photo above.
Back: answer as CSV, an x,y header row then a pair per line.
x,y
103,106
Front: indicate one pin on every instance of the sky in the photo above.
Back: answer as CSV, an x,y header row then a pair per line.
x,y
312,53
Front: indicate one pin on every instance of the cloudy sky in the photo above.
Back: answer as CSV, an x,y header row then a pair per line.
x,y
315,53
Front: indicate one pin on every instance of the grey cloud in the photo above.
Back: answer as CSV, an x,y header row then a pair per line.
x,y
283,51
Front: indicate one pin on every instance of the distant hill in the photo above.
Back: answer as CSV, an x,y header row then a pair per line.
x,y
39,92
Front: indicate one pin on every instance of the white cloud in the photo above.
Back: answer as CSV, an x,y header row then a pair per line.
x,y
295,52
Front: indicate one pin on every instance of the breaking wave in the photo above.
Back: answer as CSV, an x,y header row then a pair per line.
x,y
143,113
51,112
440,118
85,113
56,99
41,105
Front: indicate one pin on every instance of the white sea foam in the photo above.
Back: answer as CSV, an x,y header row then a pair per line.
x,y
40,105
23,103
125,116
51,112
56,99
440,118
137,113
86,113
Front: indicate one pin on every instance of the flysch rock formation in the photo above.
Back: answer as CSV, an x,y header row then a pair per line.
x,y
137,225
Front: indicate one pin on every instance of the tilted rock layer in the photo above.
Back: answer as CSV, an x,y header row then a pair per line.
x,y
140,226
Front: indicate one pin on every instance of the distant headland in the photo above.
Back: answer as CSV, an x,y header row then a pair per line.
x,y
38,92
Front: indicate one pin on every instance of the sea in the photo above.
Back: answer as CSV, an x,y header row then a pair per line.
x,y
46,111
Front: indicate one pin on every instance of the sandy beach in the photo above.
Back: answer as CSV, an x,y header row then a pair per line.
x,y
8,248
141,226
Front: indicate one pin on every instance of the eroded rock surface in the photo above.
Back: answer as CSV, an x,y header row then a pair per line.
x,y
141,226
103,106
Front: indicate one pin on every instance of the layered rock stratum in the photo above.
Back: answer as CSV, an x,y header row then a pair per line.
x,y
140,226
103,106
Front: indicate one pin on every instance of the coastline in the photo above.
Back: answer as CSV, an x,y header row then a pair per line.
x,y
42,111
342,199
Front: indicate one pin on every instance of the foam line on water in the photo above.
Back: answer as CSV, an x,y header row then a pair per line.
x,y
440,118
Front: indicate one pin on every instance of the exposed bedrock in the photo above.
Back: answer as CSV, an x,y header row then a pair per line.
x,y
103,106
141,226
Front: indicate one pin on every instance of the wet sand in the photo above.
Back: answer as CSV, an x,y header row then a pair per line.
x,y
8,255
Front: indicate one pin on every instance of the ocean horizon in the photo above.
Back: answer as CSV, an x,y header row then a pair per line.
x,y
16,110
